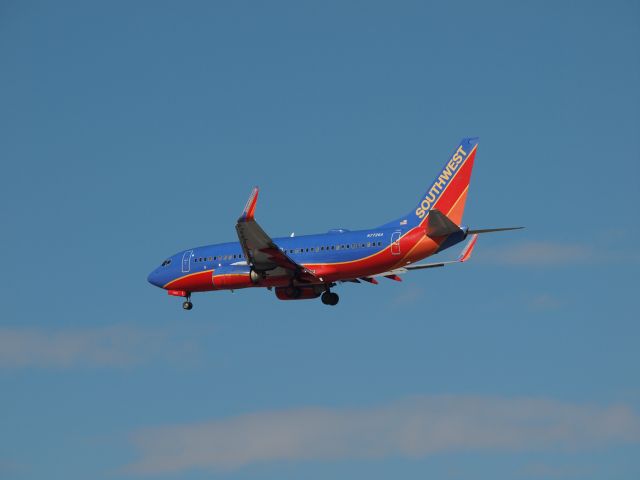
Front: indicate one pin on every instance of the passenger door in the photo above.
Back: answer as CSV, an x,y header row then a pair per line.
x,y
395,243
186,261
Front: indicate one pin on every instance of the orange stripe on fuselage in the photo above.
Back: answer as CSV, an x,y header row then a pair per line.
x,y
414,242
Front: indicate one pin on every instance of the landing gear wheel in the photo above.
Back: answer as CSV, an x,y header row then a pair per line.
x,y
334,299
187,305
330,298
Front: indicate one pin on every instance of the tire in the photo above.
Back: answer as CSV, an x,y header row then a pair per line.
x,y
334,299
330,298
187,305
326,298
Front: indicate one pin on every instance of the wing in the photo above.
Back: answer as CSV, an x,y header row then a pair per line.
x,y
393,274
261,252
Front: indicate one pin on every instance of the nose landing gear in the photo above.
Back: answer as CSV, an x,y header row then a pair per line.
x,y
187,305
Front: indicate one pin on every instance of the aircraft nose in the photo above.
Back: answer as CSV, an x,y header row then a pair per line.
x,y
154,278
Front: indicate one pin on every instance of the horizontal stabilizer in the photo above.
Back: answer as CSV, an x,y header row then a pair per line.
x,y
490,230
439,225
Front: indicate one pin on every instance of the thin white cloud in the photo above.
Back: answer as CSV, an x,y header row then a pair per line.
x,y
551,471
412,428
549,254
545,301
410,294
542,254
115,346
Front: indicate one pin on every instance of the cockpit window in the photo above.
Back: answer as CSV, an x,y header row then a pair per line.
x,y
166,262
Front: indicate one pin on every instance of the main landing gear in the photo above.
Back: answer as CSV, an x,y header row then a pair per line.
x,y
330,298
187,305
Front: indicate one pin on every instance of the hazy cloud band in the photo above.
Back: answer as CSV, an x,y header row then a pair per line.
x,y
411,428
114,346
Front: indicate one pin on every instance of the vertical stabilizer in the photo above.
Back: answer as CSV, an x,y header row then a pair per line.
x,y
448,192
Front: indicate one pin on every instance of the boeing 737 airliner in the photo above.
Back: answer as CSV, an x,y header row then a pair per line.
x,y
309,266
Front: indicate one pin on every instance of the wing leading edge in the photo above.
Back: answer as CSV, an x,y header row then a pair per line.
x,y
261,252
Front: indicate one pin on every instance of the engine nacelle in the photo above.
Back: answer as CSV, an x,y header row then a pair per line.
x,y
255,277
243,276
299,293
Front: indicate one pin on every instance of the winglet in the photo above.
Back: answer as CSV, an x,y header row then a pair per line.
x,y
250,207
466,253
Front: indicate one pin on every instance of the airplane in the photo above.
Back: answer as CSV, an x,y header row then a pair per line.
x,y
309,266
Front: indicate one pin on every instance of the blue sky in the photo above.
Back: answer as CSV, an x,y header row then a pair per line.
x,y
131,130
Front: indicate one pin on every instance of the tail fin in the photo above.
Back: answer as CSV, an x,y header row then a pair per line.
x,y
448,192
